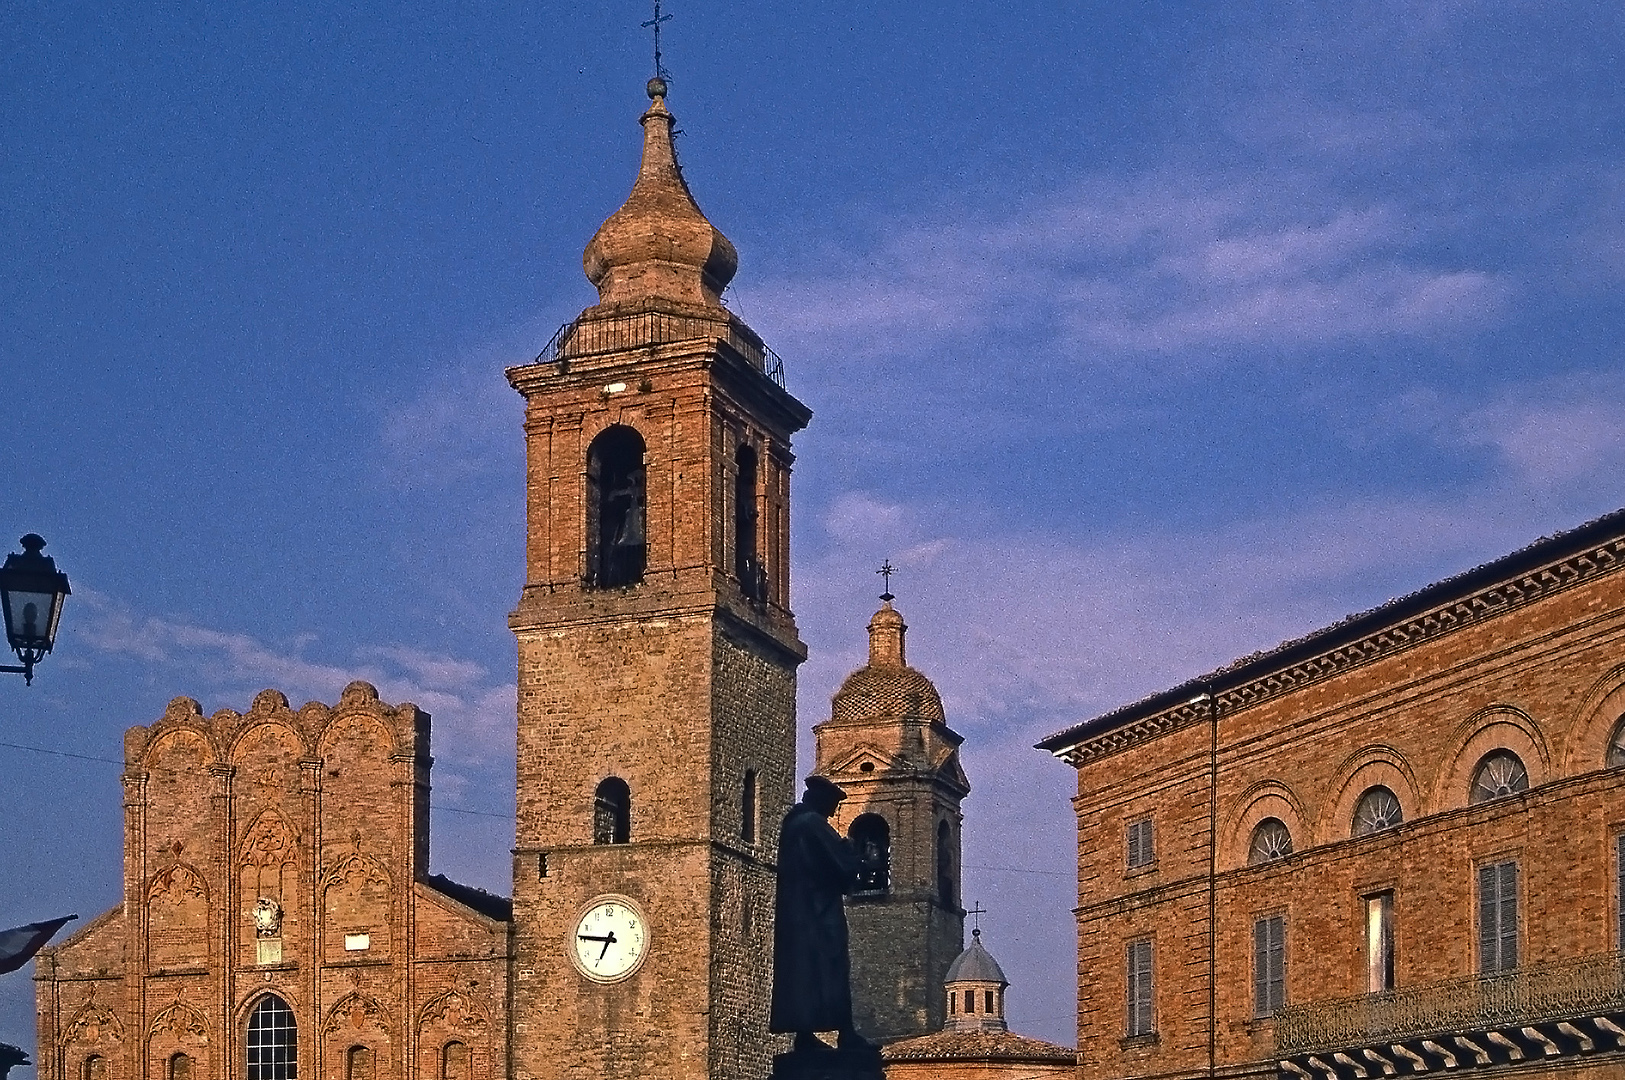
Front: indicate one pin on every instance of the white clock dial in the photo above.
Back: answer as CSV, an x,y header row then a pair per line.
x,y
609,939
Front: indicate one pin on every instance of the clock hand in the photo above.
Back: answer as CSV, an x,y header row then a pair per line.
x,y
608,941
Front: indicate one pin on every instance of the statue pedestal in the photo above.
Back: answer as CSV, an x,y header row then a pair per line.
x,y
828,1065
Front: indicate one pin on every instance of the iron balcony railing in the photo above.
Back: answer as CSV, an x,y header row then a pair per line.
x,y
590,336
1536,994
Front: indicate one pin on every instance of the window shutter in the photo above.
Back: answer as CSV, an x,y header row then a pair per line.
x,y
1619,864
1488,911
1261,960
1139,988
1509,915
1277,963
1140,852
1269,965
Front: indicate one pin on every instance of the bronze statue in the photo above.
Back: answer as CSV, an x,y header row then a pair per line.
x,y
812,971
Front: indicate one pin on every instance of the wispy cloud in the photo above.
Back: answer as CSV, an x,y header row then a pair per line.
x,y
473,709
1154,264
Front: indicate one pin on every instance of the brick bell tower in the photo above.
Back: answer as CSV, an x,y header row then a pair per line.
x,y
888,744
657,660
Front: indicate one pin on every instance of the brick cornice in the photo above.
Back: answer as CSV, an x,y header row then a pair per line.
x,y
1541,570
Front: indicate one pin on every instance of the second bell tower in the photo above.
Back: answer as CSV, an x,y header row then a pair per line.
x,y
657,660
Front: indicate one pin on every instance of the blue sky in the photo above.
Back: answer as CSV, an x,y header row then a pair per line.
x,y
1139,336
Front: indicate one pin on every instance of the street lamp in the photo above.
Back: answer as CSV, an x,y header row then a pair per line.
x,y
31,592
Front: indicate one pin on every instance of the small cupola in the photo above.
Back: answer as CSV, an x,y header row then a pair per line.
x,y
886,631
975,987
658,246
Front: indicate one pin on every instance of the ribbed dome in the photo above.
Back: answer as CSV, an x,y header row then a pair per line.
x,y
886,688
975,964
659,245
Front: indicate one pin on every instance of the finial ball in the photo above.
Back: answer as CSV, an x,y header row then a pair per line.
x,y
656,88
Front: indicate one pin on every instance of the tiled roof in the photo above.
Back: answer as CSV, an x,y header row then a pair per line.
x,y
977,1046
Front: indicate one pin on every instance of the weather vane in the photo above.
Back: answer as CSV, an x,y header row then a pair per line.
x,y
975,912
654,24
886,571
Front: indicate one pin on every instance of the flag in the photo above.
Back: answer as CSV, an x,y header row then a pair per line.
x,y
19,944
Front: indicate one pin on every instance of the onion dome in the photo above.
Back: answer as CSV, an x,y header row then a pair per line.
x,y
658,245
886,688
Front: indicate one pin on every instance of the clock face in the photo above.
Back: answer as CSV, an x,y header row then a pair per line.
x,y
609,939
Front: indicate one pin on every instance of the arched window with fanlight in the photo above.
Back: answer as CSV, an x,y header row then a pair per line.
x,y
94,1067
273,1041
1499,774
1378,810
1616,746
617,509
747,564
612,812
871,836
1271,840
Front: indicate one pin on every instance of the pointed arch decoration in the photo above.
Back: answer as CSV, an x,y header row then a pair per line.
x,y
177,918
355,1012
92,1024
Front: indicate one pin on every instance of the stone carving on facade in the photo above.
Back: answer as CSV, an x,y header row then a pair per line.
x,y
93,1023
355,1011
177,885
267,918
456,1011
270,843
180,1020
355,868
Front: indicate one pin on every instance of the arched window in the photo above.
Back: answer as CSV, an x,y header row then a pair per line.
x,y
945,865
871,835
747,808
273,1041
454,1062
1616,745
612,812
617,509
1271,840
1500,773
747,567
1378,810
358,1063
94,1068
180,1067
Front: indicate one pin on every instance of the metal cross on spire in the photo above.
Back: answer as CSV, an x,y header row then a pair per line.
x,y
654,24
975,911
886,571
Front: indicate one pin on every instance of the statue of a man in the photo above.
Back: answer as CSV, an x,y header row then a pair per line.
x,y
812,971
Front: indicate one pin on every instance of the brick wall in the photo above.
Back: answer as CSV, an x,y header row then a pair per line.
x,y
323,812
1543,679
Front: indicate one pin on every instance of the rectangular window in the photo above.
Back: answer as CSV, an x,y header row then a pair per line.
x,y
1140,988
970,1001
1619,864
1269,965
1379,943
1497,918
1140,851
